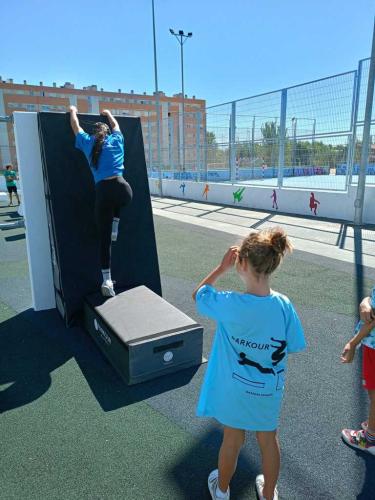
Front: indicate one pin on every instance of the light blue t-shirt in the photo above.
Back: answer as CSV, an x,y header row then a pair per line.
x,y
245,376
111,159
369,341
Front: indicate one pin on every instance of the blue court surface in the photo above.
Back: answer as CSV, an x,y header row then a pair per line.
x,y
326,182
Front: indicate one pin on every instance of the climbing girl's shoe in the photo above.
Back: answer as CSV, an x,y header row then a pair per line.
x,y
107,289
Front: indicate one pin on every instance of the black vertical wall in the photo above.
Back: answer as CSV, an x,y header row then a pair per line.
x,y
70,198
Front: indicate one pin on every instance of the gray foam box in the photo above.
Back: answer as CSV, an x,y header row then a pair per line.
x,y
142,335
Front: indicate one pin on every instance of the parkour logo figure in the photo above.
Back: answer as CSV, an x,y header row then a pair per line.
x,y
182,187
104,151
274,200
313,203
206,190
238,195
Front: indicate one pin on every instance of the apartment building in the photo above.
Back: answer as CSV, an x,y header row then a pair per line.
x,y
90,99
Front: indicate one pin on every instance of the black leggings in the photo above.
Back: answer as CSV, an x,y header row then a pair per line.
x,y
111,196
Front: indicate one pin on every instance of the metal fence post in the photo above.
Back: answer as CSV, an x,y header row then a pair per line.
x,y
353,138
312,156
179,157
171,143
205,148
358,204
252,140
198,144
282,132
149,133
232,143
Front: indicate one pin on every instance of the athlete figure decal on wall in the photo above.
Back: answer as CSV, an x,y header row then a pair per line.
x,y
238,195
206,190
313,203
274,200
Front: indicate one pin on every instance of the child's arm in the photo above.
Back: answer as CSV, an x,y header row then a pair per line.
x,y
366,312
348,353
112,121
74,122
228,261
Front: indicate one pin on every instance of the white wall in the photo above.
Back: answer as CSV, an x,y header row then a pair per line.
x,y
333,204
34,210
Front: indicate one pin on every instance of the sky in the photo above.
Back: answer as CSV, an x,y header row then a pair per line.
x,y
239,48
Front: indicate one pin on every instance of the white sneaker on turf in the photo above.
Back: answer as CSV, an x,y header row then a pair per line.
x,y
213,481
259,484
107,289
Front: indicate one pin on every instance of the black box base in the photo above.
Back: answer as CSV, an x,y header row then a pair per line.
x,y
142,335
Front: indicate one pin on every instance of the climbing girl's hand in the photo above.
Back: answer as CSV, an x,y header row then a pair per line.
x,y
106,112
348,353
229,259
73,109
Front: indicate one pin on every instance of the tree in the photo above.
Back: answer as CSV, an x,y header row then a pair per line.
x,y
211,138
270,132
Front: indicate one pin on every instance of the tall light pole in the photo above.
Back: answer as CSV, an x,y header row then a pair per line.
x,y
157,101
181,38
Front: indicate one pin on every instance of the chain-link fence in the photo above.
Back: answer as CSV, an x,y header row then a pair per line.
x,y
305,136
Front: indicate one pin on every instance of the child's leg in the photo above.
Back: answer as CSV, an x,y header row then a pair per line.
x,y
270,450
371,418
115,222
230,448
104,216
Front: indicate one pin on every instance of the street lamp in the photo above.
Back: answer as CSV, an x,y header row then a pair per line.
x,y
181,37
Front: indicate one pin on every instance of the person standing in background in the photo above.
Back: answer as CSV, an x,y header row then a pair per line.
x,y
10,179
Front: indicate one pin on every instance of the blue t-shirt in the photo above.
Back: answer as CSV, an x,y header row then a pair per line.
x,y
245,376
111,159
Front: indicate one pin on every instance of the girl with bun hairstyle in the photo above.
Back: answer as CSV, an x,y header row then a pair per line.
x,y
244,382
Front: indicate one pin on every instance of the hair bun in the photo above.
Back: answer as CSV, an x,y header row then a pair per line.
x,y
280,241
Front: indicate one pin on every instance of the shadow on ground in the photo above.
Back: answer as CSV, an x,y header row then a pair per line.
x,y
191,472
368,488
33,344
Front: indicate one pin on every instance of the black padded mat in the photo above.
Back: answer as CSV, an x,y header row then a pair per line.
x,y
139,314
70,197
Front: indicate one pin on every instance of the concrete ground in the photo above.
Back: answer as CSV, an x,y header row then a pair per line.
x,y
70,429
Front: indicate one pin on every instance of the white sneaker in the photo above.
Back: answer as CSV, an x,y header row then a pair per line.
x,y
107,289
213,481
259,484
114,236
